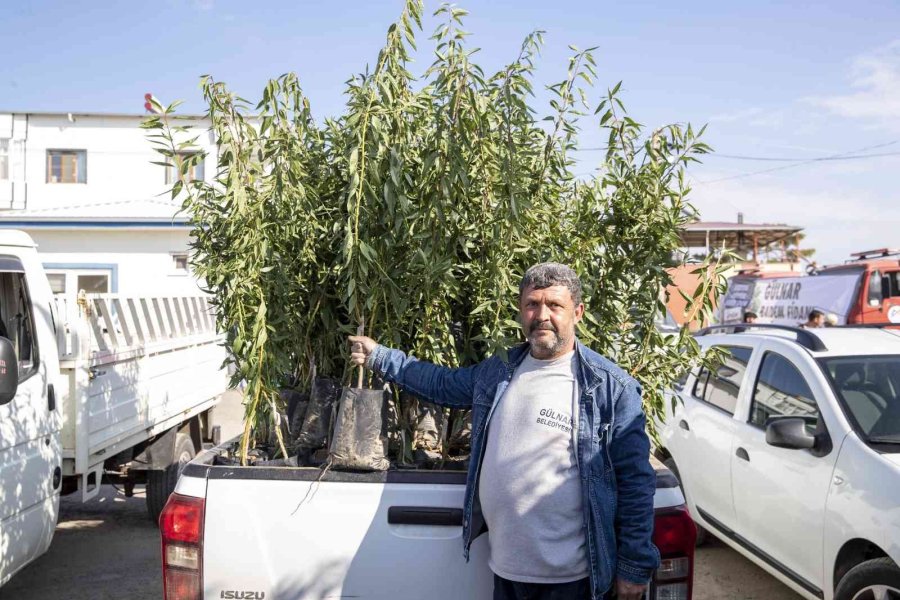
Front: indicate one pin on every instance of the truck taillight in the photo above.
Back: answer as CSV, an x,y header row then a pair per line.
x,y
675,534
181,528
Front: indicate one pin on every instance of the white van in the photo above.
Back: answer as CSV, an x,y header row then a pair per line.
x,y
113,389
30,416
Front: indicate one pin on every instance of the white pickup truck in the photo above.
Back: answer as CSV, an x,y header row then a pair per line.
x,y
111,389
285,532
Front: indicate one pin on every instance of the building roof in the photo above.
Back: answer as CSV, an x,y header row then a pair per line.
x,y
735,236
26,222
78,113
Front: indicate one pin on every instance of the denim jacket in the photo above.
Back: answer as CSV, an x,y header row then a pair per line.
x,y
618,482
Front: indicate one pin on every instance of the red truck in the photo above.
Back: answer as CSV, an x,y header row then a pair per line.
x,y
865,289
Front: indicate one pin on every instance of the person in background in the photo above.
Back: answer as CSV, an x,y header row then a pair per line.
x,y
750,317
815,320
831,320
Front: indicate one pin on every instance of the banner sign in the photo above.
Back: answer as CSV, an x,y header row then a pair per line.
x,y
789,300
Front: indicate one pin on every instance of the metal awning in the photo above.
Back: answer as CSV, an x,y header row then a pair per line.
x,y
746,237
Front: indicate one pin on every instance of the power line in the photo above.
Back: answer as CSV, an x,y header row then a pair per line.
x,y
784,159
843,155
820,159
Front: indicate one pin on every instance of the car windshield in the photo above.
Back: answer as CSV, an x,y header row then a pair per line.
x,y
869,389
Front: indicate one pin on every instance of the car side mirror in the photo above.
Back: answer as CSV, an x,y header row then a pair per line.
x,y
9,371
789,432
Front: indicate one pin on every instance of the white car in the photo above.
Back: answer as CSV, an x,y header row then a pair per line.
x,y
790,453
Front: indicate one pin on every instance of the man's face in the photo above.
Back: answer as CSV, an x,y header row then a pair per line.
x,y
819,320
549,316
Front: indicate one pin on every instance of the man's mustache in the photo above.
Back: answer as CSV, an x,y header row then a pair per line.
x,y
541,325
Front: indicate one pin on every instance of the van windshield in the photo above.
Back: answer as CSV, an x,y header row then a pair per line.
x,y
869,389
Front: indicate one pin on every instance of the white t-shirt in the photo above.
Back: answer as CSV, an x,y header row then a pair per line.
x,y
529,483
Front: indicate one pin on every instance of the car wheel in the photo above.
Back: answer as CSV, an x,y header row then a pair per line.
x,y
702,534
877,579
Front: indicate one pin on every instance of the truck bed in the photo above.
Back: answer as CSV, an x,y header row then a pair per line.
x,y
294,533
132,368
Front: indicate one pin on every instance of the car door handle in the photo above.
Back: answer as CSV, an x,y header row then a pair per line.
x,y
742,454
425,515
684,425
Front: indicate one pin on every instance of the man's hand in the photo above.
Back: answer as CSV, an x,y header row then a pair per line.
x,y
360,349
626,590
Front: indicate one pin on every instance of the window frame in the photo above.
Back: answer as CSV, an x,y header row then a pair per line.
x,y
4,158
173,170
35,344
891,281
709,374
759,369
176,256
62,151
65,280
702,375
855,425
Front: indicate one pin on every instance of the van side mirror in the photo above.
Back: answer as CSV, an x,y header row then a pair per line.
x,y
789,432
9,371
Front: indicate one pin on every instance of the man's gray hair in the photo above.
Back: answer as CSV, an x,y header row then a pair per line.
x,y
544,275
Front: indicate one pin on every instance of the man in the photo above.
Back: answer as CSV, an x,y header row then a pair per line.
x,y
750,317
815,320
559,472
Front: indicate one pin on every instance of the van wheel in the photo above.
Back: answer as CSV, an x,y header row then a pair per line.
x,y
877,579
702,534
161,484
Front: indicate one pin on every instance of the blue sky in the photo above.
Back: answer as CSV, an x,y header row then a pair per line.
x,y
772,79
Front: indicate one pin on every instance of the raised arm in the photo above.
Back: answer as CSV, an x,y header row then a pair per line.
x,y
441,385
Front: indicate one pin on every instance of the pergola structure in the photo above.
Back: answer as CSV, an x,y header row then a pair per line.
x,y
740,237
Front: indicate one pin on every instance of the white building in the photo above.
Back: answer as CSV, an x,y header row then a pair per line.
x,y
83,186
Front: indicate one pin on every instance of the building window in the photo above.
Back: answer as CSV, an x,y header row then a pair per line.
x,y
72,281
93,284
180,262
195,170
57,282
66,166
4,159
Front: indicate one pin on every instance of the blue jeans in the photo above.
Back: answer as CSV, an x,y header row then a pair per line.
x,y
504,589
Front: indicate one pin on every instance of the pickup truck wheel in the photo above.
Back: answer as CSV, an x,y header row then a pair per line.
x,y
877,579
160,484
702,534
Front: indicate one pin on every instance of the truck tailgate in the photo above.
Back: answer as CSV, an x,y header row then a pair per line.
x,y
283,534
